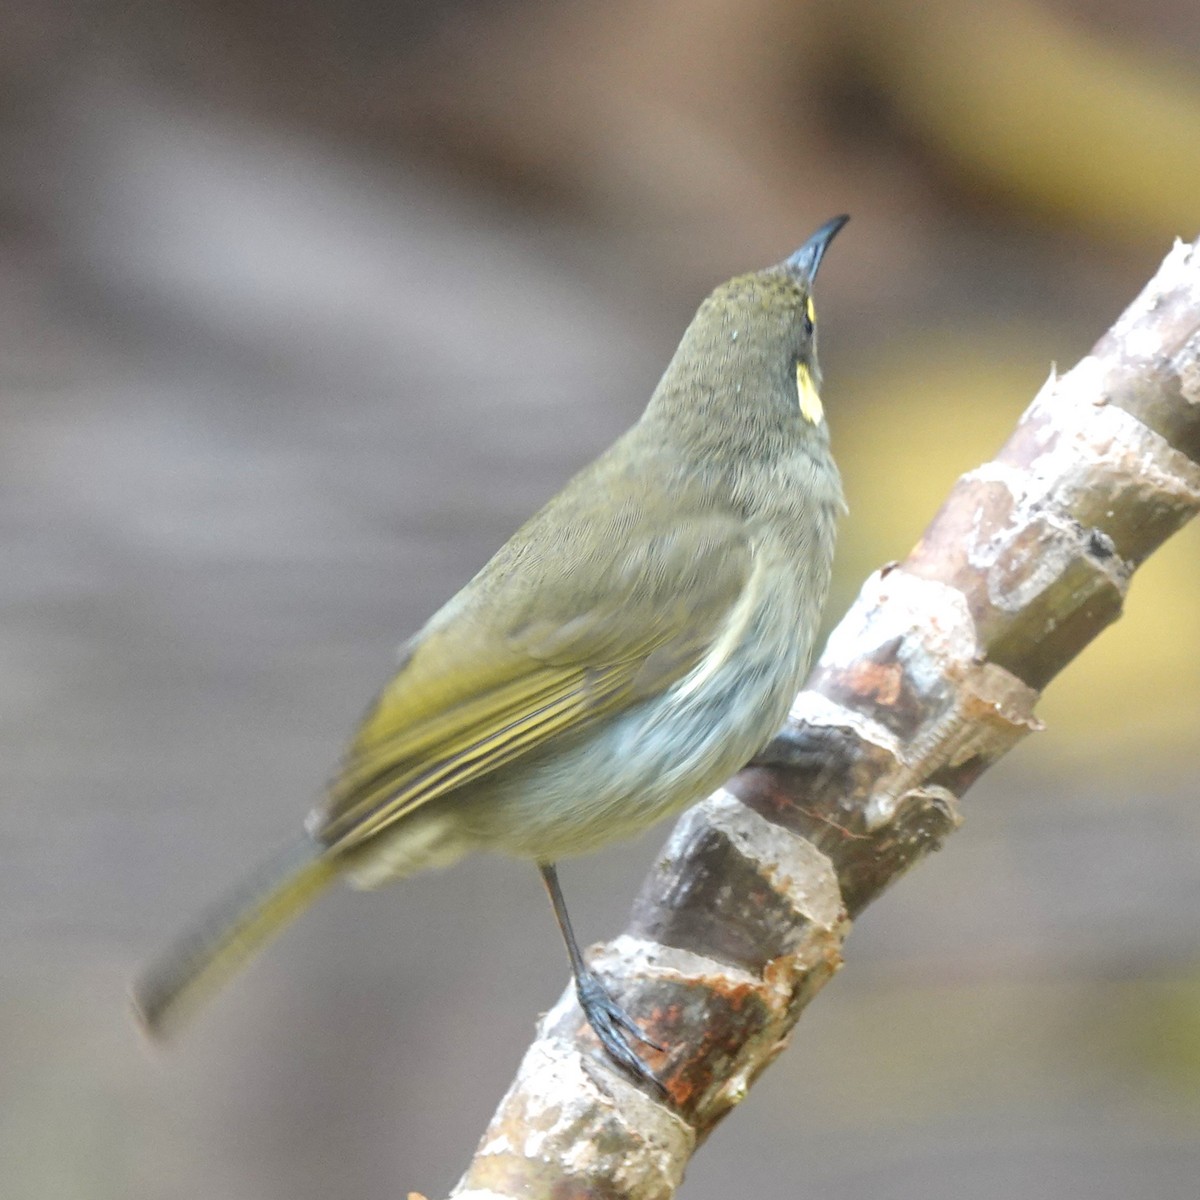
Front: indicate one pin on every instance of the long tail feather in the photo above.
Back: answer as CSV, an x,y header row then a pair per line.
x,y
207,955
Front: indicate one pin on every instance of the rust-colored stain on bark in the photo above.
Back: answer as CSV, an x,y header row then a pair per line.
x,y
702,1031
881,683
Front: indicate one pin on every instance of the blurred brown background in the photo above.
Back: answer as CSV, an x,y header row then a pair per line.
x,y
303,307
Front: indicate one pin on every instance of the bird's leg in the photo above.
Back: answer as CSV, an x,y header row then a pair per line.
x,y
606,1017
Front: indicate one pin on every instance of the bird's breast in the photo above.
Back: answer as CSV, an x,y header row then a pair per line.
x,y
666,751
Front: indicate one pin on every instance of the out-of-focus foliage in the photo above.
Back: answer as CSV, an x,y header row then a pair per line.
x,y
1082,124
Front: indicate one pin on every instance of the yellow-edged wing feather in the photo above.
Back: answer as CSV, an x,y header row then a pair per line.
x,y
553,635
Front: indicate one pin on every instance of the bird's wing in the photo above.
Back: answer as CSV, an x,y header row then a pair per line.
x,y
549,637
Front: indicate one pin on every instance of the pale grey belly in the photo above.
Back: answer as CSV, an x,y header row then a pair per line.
x,y
653,760
614,779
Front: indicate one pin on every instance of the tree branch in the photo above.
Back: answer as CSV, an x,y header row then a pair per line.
x,y
930,678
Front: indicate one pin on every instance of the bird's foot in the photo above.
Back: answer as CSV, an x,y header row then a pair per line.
x,y
607,1018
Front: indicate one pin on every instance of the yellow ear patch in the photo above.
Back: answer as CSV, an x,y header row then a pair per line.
x,y
811,408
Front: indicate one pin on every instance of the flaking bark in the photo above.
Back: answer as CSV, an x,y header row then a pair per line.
x,y
932,675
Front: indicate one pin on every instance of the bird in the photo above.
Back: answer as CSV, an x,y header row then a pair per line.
x,y
632,646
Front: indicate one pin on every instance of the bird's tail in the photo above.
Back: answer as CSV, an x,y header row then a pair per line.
x,y
208,954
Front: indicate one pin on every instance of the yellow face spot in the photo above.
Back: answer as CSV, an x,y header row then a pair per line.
x,y
810,403
812,312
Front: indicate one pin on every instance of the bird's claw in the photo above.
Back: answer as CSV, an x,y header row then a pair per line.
x,y
607,1019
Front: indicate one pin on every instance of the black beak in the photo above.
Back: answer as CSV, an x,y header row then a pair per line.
x,y
804,263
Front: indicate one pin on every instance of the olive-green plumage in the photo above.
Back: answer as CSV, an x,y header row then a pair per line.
x,y
629,648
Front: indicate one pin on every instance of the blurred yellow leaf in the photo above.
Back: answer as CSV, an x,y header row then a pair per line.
x,y
1034,105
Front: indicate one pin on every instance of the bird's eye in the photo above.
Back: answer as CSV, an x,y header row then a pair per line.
x,y
810,317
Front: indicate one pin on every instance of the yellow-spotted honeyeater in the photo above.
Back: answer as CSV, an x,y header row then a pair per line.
x,y
629,648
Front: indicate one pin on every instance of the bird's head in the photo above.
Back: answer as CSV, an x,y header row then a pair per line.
x,y
748,361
